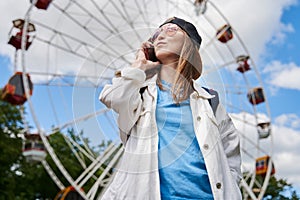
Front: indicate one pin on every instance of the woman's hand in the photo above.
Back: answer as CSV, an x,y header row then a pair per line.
x,y
141,62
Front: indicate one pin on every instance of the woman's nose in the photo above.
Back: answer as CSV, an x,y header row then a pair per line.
x,y
161,35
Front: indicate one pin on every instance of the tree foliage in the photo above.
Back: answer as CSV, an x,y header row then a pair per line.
x,y
10,145
280,189
277,189
23,180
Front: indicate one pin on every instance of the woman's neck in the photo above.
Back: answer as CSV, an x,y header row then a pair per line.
x,y
168,72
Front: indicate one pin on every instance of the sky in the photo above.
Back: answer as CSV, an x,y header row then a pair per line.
x,y
273,31
269,29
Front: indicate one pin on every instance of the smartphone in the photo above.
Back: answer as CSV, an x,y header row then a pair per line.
x,y
150,54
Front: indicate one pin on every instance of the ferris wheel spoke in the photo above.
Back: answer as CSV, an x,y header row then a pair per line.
x,y
244,121
238,109
93,164
228,87
89,32
80,55
212,60
254,145
125,16
113,126
56,79
82,163
218,68
52,105
73,45
72,144
236,91
86,153
85,145
97,166
144,13
104,14
99,37
79,119
109,28
246,152
92,192
248,189
52,175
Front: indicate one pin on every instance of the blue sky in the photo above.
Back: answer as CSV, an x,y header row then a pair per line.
x,y
279,66
270,31
286,52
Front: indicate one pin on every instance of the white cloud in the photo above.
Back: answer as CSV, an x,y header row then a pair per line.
x,y
283,75
290,120
257,22
256,30
286,149
280,36
10,12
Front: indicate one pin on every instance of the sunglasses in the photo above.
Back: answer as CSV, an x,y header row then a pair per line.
x,y
170,29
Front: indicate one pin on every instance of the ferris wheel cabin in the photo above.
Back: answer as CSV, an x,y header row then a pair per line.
x,y
16,34
200,6
41,4
256,96
33,148
14,92
264,129
69,193
224,34
262,166
243,64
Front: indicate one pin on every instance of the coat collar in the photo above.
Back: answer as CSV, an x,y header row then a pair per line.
x,y
202,92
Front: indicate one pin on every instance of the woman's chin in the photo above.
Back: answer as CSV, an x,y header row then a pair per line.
x,y
166,55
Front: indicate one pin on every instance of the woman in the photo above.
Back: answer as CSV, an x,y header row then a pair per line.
x,y
176,146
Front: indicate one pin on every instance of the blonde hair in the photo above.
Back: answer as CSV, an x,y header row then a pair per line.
x,y
189,67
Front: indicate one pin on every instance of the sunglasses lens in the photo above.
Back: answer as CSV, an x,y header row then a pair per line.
x,y
155,35
169,29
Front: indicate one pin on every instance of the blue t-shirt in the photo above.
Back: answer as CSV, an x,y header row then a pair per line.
x,y
182,170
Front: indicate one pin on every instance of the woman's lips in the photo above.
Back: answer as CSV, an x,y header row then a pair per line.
x,y
160,43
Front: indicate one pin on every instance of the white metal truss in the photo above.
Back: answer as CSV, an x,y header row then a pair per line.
x,y
106,34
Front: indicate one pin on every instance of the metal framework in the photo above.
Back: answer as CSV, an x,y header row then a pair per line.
x,y
103,36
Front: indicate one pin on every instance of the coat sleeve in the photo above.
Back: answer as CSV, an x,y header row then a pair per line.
x,y
231,142
124,98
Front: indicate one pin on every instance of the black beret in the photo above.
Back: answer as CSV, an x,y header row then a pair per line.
x,y
188,27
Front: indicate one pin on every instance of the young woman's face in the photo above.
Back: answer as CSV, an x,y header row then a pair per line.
x,y
168,42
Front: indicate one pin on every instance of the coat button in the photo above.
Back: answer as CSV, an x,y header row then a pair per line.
x,y
198,118
206,146
218,185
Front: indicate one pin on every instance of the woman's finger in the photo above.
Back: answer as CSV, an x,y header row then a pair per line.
x,y
140,54
147,44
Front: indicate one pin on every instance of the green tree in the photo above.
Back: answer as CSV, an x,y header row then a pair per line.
x,y
277,189
280,189
20,179
10,146
65,154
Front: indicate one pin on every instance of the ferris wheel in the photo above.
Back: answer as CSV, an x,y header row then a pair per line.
x,y
69,49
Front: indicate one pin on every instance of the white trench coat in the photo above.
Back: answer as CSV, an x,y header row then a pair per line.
x,y
137,176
